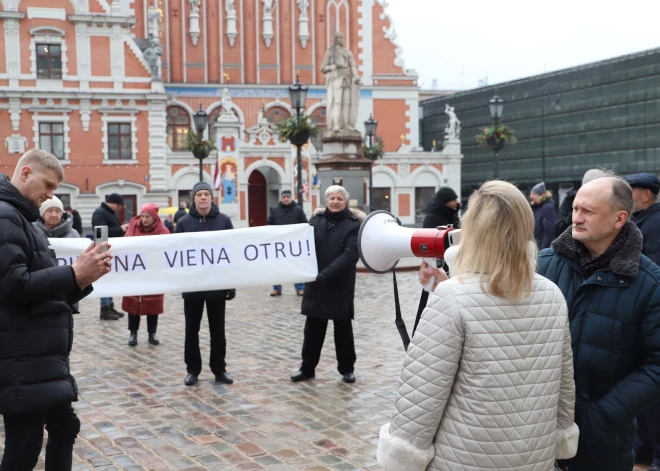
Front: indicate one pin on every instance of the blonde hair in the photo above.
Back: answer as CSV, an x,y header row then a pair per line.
x,y
497,231
35,158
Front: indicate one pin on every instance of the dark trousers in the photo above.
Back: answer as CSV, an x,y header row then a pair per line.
x,y
134,323
24,435
315,335
648,434
215,311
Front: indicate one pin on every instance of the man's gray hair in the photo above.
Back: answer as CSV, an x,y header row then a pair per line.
x,y
621,198
337,189
595,173
37,157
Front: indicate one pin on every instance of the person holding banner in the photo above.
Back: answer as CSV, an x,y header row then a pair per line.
x,y
36,325
147,223
336,231
204,215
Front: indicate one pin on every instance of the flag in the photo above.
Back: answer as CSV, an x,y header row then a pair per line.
x,y
216,176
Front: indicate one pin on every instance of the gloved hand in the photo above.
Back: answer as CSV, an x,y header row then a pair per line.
x,y
320,278
230,294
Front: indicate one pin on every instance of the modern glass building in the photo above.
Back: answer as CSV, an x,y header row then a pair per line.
x,y
605,115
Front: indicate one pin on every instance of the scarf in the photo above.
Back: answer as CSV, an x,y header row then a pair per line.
x,y
590,265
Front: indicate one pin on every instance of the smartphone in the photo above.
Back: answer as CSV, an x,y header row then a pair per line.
x,y
100,236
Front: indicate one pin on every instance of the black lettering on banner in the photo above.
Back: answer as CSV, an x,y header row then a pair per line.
x,y
191,257
279,248
173,261
138,262
299,248
62,261
205,255
265,246
223,256
194,257
256,253
121,261
129,262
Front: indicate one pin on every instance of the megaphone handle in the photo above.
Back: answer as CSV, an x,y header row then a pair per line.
x,y
432,263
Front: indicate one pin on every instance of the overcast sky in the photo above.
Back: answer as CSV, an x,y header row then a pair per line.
x,y
460,42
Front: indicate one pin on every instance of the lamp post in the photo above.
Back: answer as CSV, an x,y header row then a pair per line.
x,y
201,119
370,126
552,88
496,106
298,96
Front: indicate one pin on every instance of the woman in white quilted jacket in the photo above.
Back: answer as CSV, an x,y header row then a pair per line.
x,y
487,382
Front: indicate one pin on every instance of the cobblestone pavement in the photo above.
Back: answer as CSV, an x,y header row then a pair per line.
x,y
137,414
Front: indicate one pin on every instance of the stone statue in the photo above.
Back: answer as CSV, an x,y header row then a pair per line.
x,y
230,7
152,54
226,100
303,5
194,5
453,129
343,86
268,7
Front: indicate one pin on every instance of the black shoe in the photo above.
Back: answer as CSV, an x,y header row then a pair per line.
x,y
190,379
224,378
301,376
153,339
348,377
132,340
116,312
107,314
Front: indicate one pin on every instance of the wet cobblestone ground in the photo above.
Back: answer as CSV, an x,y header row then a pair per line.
x,y
137,414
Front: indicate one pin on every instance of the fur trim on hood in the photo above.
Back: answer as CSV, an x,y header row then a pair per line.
x,y
359,215
543,198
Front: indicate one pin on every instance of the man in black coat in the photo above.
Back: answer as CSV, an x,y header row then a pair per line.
x,y
287,212
443,209
204,215
646,215
77,220
181,212
106,215
36,325
545,216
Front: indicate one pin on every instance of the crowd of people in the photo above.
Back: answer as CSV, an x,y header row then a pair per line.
x,y
542,353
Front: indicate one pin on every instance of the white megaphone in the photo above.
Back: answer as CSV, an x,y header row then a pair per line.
x,y
382,242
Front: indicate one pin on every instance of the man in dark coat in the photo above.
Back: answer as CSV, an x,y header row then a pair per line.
x,y
645,188
443,209
204,215
613,299
77,220
287,212
545,216
336,229
181,212
106,215
36,325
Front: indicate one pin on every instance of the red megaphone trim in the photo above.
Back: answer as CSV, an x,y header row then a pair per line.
x,y
430,243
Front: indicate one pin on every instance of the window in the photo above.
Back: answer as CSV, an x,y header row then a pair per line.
x,y
49,61
381,199
423,196
276,114
119,141
178,125
51,138
65,198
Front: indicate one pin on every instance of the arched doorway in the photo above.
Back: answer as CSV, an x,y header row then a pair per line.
x,y
257,199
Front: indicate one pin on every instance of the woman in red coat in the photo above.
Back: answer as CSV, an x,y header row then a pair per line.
x,y
146,224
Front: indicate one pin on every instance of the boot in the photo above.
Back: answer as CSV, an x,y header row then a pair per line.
x,y
116,312
107,314
153,338
132,340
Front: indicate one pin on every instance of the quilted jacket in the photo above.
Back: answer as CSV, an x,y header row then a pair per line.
x,y
487,384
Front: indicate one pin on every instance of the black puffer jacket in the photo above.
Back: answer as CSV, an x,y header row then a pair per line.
x,y
439,214
335,239
36,325
284,214
195,222
104,216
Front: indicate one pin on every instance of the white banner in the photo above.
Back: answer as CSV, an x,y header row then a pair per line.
x,y
201,261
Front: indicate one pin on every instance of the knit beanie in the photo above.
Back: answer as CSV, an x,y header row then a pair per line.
x,y
201,186
446,194
115,198
54,202
539,189
286,193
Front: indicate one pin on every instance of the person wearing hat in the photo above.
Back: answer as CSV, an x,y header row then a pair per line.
x,y
203,216
443,209
545,215
646,215
106,215
287,212
54,221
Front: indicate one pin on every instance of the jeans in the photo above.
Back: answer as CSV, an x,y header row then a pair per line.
x,y
215,311
134,323
298,286
106,301
315,335
24,435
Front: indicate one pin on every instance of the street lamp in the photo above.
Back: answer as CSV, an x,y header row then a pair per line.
x,y
201,119
298,96
552,88
370,126
496,106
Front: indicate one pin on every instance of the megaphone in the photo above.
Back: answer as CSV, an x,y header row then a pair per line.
x,y
382,242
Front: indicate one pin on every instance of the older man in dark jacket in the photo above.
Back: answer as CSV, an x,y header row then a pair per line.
x,y
287,212
614,310
204,215
36,325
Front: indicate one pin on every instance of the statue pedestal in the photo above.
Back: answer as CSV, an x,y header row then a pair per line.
x,y
342,161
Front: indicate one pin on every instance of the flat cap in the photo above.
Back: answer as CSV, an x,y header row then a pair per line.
x,y
644,180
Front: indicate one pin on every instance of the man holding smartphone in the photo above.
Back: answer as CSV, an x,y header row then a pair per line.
x,y
36,325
